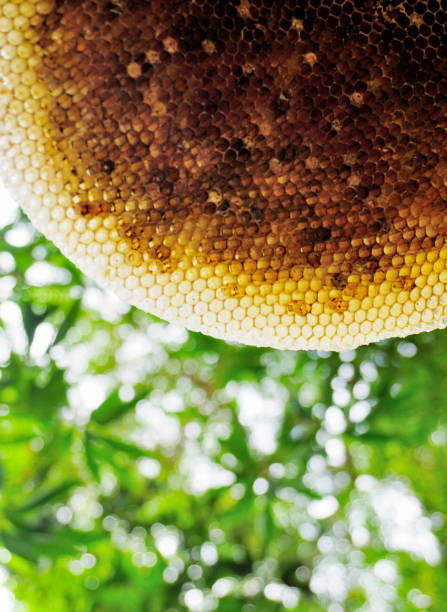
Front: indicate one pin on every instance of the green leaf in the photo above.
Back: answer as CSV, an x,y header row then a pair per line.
x,y
45,399
113,407
2,475
16,519
371,437
241,512
121,597
68,322
270,528
32,544
237,444
48,496
125,476
31,320
19,546
79,537
16,439
91,458
130,449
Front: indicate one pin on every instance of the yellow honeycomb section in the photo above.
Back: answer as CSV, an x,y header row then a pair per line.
x,y
272,173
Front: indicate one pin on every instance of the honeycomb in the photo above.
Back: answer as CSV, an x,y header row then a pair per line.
x,y
272,172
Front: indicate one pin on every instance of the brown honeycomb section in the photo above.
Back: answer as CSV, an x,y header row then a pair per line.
x,y
271,172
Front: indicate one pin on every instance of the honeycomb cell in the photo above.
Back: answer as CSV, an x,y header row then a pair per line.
x,y
266,172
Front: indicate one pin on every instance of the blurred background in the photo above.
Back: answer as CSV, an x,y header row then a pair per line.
x,y
145,468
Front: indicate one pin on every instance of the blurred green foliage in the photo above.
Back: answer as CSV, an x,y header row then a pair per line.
x,y
144,468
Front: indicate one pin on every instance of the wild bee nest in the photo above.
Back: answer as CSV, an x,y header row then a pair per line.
x,y
272,172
